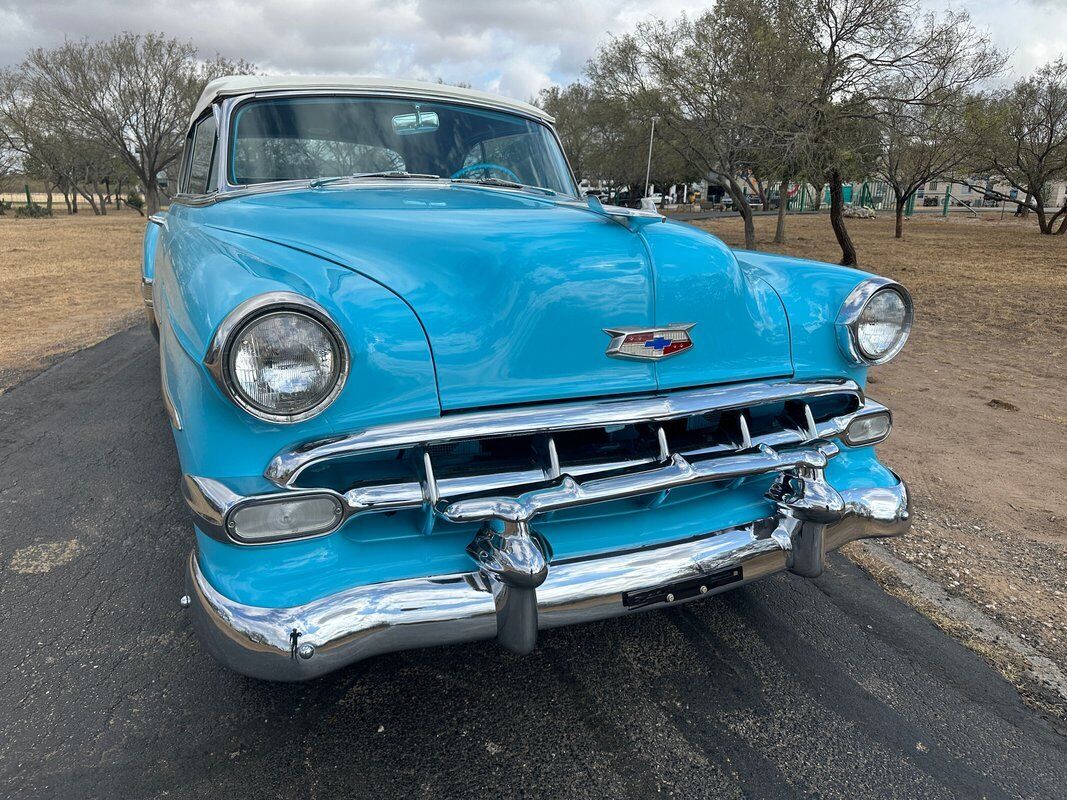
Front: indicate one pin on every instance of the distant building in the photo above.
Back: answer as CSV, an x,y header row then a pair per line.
x,y
933,193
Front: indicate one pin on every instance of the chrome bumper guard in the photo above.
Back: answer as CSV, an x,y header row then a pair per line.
x,y
516,589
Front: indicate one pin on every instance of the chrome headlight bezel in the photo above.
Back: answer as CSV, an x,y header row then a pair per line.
x,y
848,319
218,359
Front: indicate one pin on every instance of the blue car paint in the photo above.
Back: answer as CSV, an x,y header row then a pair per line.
x,y
742,332
460,297
812,293
514,290
148,250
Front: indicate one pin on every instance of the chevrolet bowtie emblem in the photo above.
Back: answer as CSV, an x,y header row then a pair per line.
x,y
649,344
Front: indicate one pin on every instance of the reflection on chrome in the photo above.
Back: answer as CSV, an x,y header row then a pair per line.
x,y
364,621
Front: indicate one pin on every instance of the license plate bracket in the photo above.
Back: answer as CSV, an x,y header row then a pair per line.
x,y
682,590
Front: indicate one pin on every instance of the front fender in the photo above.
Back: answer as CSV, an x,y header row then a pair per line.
x,y
812,293
204,274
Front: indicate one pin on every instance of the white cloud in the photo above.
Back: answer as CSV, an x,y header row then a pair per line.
x,y
515,47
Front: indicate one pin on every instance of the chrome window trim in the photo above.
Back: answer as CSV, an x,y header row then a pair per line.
x,y
224,112
217,356
848,319
287,465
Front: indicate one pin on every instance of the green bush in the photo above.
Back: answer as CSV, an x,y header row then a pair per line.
x,y
33,211
135,200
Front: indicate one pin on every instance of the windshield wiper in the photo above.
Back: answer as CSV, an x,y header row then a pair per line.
x,y
396,173
505,184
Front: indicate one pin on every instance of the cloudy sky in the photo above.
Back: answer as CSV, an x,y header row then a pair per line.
x,y
515,47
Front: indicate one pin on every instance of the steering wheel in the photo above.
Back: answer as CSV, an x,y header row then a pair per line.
x,y
459,173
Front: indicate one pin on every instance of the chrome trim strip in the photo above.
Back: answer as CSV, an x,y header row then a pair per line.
x,y
569,493
218,351
848,318
147,285
306,641
286,467
168,401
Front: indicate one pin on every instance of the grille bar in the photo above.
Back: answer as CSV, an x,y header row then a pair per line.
x,y
391,497
285,468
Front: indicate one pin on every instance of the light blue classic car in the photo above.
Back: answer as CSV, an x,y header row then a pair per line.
x,y
423,392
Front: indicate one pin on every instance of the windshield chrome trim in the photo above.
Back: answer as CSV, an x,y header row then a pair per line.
x,y
224,190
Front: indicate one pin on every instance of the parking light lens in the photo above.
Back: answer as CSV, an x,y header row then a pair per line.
x,y
277,520
869,429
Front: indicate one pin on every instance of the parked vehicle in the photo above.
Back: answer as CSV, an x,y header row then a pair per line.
x,y
423,393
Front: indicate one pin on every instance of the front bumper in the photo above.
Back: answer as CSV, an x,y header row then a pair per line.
x,y
518,589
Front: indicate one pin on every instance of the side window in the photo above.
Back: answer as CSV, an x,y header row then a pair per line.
x,y
202,158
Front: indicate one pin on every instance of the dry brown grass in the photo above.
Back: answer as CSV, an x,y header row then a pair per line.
x,y
65,283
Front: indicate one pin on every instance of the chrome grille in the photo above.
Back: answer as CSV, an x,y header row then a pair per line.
x,y
511,451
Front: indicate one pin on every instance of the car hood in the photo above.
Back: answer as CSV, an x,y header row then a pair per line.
x,y
515,291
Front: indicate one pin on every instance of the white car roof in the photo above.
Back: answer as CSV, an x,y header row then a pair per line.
x,y
231,85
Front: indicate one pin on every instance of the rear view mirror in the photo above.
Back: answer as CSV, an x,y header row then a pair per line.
x,y
419,122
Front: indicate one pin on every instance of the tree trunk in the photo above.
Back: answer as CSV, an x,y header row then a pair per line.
x,y
743,208
66,198
48,201
837,220
73,202
783,206
151,194
100,197
901,202
1042,220
816,202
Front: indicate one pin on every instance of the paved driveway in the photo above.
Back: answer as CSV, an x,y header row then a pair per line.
x,y
786,688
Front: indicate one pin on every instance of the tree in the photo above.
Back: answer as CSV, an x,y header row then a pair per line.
x,y
1023,136
49,145
570,106
682,73
131,94
606,139
920,143
871,55
925,114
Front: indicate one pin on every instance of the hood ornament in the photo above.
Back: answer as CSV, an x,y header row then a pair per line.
x,y
649,344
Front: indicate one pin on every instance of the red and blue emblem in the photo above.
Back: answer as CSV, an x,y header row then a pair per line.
x,y
649,344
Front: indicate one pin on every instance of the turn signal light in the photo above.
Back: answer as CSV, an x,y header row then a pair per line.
x,y
285,518
869,429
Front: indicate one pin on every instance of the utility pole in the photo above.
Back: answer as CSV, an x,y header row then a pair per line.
x,y
648,168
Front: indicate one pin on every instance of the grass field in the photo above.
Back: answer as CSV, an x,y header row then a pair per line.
x,y
979,395
65,283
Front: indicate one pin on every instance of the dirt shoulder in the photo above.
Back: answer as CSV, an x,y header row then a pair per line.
x,y
65,283
979,398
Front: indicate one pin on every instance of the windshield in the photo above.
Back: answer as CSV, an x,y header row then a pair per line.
x,y
305,138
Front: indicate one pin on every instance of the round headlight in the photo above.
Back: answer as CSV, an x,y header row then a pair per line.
x,y
285,364
875,321
880,329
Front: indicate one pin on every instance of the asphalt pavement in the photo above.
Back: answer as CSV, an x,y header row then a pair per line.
x,y
787,688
